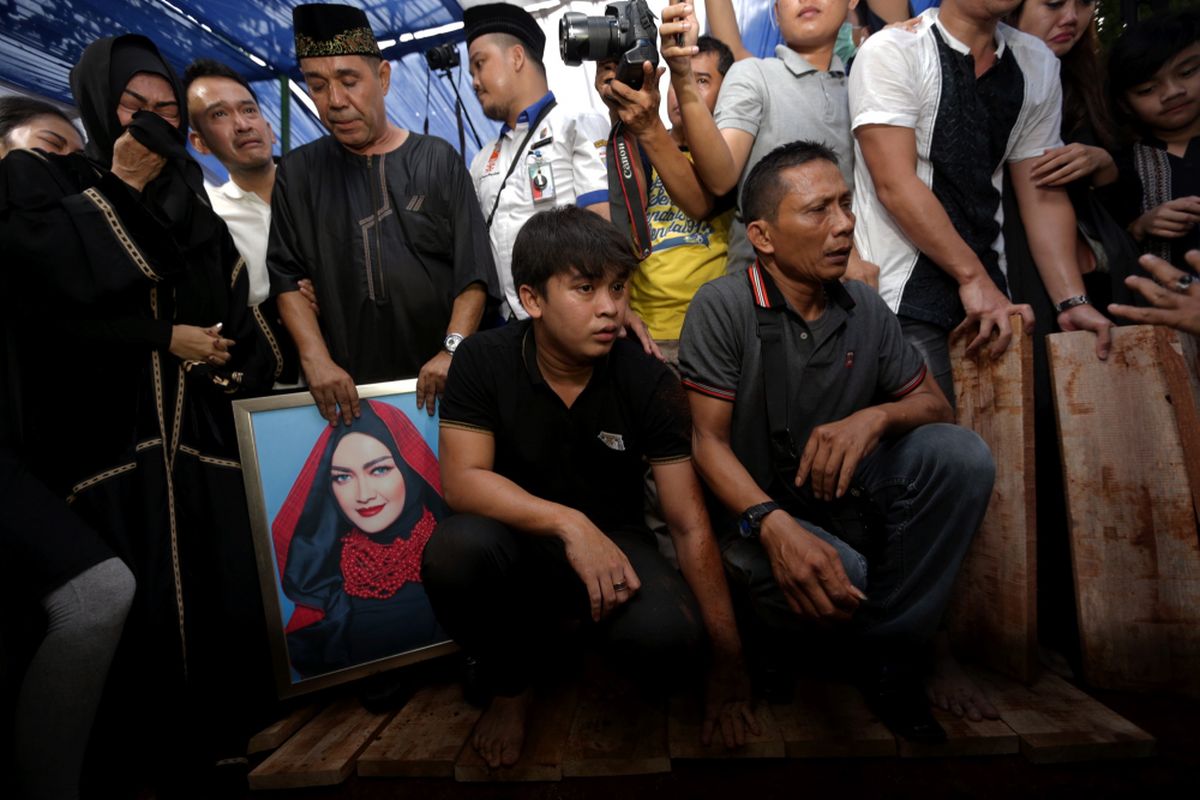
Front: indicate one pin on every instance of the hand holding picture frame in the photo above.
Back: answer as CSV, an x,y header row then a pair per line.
x,y
340,516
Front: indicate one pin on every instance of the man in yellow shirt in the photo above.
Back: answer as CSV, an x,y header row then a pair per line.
x,y
688,227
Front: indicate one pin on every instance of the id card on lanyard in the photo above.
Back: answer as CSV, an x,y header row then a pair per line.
x,y
541,177
516,159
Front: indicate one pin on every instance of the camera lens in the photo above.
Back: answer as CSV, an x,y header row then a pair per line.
x,y
583,38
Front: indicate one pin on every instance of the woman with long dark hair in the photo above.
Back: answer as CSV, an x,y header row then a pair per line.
x,y
349,539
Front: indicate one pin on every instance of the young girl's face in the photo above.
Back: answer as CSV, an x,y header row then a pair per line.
x,y
1170,101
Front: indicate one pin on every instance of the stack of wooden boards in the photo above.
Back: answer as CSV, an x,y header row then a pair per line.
x,y
601,727
1129,429
1129,439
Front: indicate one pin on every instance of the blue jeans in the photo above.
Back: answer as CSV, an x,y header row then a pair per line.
x,y
931,487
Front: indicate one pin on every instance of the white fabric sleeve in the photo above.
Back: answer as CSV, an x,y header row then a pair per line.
x,y
587,159
1041,124
884,84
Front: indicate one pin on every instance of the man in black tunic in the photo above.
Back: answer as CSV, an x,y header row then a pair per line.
x,y
384,221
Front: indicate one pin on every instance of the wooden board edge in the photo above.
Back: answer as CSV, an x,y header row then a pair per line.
x,y
1044,749
267,740
380,768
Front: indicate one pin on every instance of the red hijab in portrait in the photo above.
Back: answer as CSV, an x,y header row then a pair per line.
x,y
309,527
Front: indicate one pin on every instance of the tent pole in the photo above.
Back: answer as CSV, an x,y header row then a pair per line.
x,y
285,113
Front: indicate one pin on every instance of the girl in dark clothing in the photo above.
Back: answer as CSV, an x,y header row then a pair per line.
x,y
1154,77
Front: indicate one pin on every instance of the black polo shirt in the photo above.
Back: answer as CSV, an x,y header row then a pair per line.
x,y
592,456
851,357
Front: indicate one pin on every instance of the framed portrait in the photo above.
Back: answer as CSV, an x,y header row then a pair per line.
x,y
340,516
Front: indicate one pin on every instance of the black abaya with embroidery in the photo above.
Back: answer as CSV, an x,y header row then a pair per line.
x,y
140,444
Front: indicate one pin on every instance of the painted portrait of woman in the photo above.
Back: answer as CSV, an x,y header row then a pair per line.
x,y
348,542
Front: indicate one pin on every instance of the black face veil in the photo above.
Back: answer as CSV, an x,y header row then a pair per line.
x,y
97,82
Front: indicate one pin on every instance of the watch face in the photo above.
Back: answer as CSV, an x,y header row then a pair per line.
x,y
745,528
452,342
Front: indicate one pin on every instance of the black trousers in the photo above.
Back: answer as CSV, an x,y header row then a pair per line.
x,y
504,596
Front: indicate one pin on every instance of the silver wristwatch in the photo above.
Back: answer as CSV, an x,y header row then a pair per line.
x,y
451,342
1071,302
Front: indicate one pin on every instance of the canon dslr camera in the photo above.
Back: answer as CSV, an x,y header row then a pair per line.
x,y
626,32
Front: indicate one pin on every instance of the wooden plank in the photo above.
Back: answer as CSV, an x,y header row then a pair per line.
x,y
541,757
423,740
279,732
617,730
831,720
989,737
686,720
1134,547
1057,722
1177,353
322,753
993,614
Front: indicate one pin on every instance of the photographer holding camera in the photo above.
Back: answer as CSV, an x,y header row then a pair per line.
x,y
545,155
688,228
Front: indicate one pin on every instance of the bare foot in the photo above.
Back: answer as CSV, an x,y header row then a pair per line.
x,y
951,689
500,732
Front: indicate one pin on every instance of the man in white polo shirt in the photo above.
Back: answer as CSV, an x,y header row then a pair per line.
x,y
227,123
545,156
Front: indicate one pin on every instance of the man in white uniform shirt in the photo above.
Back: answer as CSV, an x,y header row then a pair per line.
x,y
545,155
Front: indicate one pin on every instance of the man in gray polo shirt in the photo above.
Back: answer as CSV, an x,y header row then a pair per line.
x,y
764,102
846,497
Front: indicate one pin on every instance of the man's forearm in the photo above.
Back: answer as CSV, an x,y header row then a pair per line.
x,y
1049,220
924,406
699,558
467,310
474,490
714,161
723,25
677,173
924,221
301,323
724,473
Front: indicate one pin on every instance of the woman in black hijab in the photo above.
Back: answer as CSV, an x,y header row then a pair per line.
x,y
115,394
348,542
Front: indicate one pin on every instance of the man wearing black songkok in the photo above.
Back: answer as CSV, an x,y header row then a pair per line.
x,y
124,318
384,222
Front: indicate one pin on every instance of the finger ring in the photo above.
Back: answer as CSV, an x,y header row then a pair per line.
x,y
1183,283
620,586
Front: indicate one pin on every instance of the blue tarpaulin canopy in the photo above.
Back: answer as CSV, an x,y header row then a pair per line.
x,y
40,40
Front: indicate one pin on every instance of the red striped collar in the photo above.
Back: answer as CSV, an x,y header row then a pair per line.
x,y
767,295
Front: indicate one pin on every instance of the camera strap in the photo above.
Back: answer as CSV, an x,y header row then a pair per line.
x,y
517,156
629,210
854,518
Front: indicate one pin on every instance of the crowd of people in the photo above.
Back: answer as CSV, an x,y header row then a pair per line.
x,y
735,329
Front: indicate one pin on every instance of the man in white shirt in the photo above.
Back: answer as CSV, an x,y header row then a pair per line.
x,y
227,123
545,155
937,116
